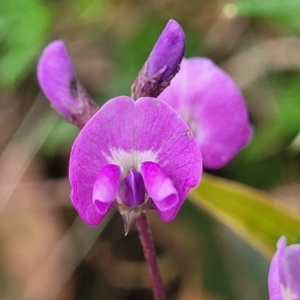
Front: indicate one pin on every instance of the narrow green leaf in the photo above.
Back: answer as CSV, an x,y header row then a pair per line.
x,y
253,215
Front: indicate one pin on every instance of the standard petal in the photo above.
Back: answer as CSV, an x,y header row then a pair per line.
x,y
106,187
274,279
160,188
212,104
127,133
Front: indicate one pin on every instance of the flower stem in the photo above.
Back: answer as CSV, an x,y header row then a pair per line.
x,y
150,256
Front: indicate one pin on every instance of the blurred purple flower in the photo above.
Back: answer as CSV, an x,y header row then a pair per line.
x,y
284,273
133,156
213,106
163,62
57,78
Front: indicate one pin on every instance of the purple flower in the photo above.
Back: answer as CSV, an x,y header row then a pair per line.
x,y
284,273
59,83
163,62
134,156
213,106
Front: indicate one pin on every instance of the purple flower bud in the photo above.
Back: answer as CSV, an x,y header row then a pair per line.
x,y
57,79
284,273
162,64
167,52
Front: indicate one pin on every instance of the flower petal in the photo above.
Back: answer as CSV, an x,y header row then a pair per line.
x,y
274,279
160,189
166,134
57,78
106,187
132,189
127,133
212,104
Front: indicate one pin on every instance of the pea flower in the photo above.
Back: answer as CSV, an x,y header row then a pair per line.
x,y
284,273
134,156
213,106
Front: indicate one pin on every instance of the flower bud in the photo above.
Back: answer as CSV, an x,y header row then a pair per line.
x,y
162,64
57,79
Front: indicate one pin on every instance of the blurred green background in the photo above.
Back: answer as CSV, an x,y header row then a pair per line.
x,y
220,245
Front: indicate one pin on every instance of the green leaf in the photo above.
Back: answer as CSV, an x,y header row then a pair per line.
x,y
253,215
221,259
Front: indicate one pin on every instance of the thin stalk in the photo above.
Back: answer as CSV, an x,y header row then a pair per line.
x,y
150,256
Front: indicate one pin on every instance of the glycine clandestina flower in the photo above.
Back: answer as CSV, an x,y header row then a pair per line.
x,y
284,273
213,106
131,155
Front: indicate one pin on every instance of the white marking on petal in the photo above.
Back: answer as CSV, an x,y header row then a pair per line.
x,y
287,293
132,159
